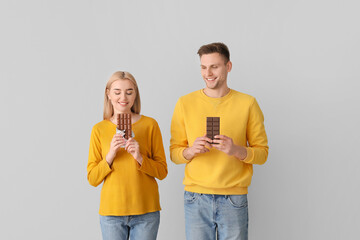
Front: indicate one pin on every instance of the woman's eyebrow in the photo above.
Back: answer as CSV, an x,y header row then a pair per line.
x,y
118,89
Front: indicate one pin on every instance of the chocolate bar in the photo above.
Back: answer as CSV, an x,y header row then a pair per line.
x,y
124,124
212,127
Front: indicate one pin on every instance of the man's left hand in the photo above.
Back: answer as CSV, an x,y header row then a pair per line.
x,y
226,145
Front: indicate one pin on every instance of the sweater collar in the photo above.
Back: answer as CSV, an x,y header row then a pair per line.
x,y
212,99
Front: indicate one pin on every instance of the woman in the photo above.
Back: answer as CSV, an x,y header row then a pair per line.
x,y
129,203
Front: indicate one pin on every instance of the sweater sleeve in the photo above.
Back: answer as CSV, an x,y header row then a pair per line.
x,y
97,167
257,151
178,141
155,165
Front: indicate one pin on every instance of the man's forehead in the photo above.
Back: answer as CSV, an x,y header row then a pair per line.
x,y
212,59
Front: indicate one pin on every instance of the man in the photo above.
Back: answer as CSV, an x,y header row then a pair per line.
x,y
218,168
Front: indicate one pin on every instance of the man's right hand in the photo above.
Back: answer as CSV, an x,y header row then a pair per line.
x,y
201,145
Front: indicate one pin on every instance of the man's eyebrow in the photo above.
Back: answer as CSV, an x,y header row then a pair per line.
x,y
215,64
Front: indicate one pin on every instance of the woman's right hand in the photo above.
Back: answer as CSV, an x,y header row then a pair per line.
x,y
116,143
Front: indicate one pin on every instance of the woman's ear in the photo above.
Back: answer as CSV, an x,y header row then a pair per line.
x,y
107,93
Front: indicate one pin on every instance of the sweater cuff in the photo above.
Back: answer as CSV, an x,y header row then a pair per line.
x,y
106,166
250,155
144,163
182,158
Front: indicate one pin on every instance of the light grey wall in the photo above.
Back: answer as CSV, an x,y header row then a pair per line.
x,y
300,59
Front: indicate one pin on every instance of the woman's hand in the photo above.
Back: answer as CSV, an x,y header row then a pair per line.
x,y
133,147
116,143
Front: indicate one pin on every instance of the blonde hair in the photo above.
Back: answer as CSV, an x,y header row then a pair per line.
x,y
108,107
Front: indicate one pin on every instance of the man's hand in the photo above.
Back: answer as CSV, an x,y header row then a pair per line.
x,y
226,145
201,145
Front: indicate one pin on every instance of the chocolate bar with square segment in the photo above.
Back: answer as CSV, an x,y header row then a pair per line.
x,y
212,127
124,124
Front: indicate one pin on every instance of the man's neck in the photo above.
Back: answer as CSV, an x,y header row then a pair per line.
x,y
216,93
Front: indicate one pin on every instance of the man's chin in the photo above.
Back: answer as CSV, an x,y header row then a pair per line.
x,y
212,86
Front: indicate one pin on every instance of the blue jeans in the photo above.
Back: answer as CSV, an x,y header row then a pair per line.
x,y
137,227
210,217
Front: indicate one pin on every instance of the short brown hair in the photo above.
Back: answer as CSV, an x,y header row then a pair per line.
x,y
108,107
216,47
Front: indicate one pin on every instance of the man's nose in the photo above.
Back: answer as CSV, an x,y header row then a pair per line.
x,y
208,72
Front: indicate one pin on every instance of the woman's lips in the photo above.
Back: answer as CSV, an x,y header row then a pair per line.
x,y
123,103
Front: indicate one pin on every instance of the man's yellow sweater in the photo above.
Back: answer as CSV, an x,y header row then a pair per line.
x,y
128,189
215,172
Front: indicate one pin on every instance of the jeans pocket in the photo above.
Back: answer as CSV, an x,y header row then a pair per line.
x,y
238,201
190,197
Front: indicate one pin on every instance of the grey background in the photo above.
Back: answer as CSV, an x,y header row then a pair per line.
x,y
300,59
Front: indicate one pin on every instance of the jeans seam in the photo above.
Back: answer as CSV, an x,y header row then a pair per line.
x,y
195,197
244,204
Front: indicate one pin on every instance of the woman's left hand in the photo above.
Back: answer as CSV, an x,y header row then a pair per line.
x,y
133,147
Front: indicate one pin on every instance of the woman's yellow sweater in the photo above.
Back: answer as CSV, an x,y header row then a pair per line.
x,y
128,189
